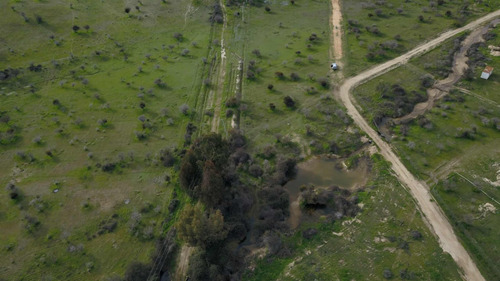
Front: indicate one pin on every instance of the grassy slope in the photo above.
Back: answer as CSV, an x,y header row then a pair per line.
x,y
407,25
388,213
141,180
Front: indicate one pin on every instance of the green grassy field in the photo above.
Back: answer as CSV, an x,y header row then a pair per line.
x,y
93,113
278,36
379,238
399,27
61,141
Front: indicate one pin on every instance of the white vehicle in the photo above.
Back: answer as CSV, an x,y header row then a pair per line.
x,y
334,66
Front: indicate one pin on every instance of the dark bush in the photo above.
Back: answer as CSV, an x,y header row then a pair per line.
x,y
324,82
178,36
167,157
172,206
416,235
217,15
232,102
426,80
108,167
289,102
255,171
285,170
309,233
137,271
387,274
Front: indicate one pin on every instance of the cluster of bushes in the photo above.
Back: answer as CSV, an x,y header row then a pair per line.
x,y
208,173
216,16
9,73
252,69
443,65
476,57
8,130
339,201
397,101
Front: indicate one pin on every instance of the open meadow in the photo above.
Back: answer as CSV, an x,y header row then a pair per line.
x,y
154,140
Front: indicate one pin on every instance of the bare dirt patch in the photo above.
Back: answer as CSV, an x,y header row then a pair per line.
x,y
183,262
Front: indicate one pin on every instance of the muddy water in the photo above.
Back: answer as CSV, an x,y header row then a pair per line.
x,y
322,172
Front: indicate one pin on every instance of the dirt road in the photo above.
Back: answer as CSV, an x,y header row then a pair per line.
x,y
336,20
431,211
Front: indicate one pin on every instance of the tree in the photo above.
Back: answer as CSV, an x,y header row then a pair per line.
x,y
76,28
200,228
190,174
208,147
212,189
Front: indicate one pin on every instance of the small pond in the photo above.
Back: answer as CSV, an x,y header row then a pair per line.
x,y
323,172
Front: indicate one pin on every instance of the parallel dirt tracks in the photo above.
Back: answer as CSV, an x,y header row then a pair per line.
x,y
431,211
220,75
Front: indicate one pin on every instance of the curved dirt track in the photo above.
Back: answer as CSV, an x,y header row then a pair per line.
x,y
431,211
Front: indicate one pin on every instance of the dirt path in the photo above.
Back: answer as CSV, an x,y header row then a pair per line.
x,y
183,262
336,20
431,211
221,74
442,87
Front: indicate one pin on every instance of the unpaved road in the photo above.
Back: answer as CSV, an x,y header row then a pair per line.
x,y
431,211
336,20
